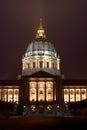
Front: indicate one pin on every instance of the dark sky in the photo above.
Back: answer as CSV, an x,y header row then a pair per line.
x,y
65,22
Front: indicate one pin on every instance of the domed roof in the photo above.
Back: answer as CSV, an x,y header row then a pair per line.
x,y
40,44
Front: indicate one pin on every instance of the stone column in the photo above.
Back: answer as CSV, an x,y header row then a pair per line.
x,y
54,91
37,91
45,91
7,95
13,95
1,94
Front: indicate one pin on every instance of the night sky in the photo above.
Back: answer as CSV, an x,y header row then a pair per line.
x,y
65,22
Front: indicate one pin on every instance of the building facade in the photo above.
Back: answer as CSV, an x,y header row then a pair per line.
x,y
40,86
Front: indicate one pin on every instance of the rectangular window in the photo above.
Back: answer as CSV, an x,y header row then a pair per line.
x,y
52,65
72,95
32,91
41,91
83,94
77,95
4,95
16,95
66,95
47,64
10,95
28,65
41,64
49,91
33,64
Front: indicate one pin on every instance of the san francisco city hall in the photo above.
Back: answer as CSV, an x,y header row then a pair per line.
x,y
40,85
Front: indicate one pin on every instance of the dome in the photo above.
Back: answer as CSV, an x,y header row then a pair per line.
x,y
40,45
40,56
41,48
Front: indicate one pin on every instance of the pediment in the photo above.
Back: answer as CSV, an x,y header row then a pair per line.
x,y
41,74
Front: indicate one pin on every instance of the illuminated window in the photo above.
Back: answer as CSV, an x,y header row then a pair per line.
x,y
10,95
16,95
66,95
4,95
49,91
41,91
77,94
83,94
72,95
32,90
